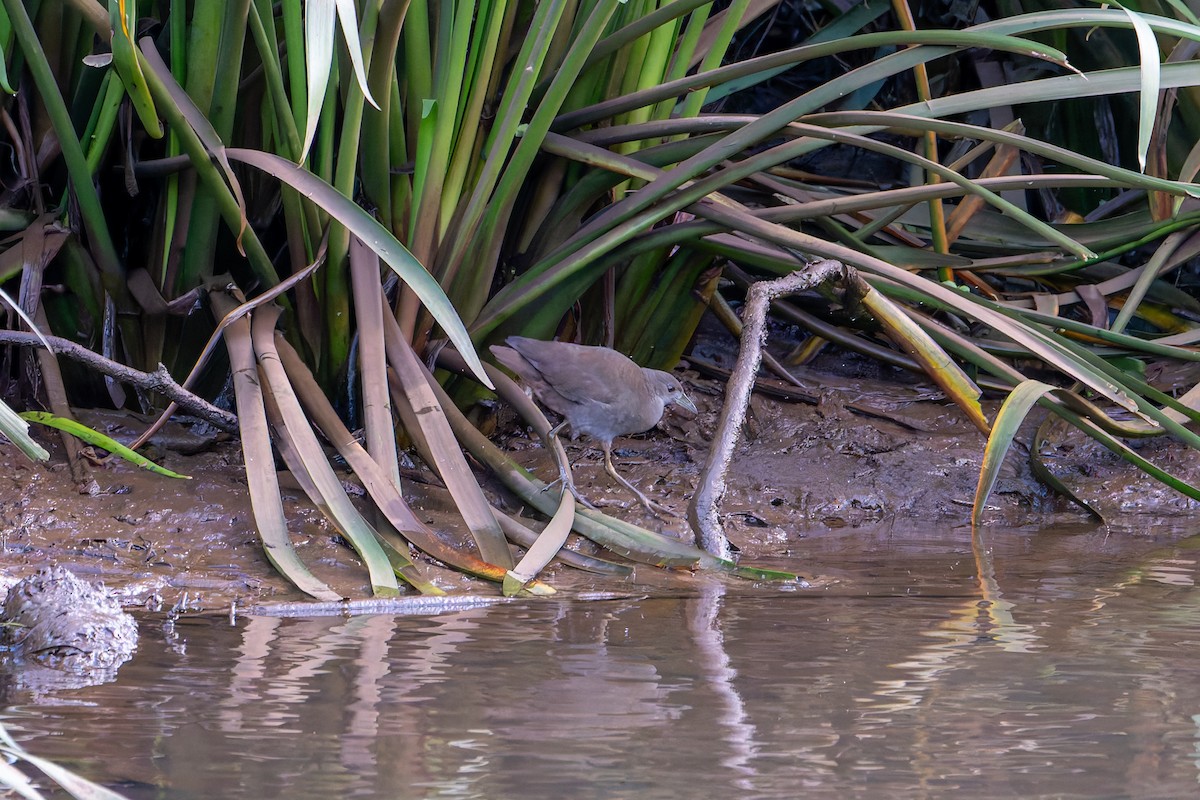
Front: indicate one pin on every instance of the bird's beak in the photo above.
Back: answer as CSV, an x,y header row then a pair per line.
x,y
686,402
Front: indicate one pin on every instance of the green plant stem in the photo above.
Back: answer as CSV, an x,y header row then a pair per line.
x,y
169,105
105,253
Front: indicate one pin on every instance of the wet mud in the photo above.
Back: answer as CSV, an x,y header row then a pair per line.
x,y
803,471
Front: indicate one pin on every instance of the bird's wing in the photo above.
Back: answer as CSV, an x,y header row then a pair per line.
x,y
592,389
601,377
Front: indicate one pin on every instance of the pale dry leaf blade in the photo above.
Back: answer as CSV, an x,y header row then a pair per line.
x,y
1150,80
318,58
347,16
549,542
16,430
261,479
446,453
349,521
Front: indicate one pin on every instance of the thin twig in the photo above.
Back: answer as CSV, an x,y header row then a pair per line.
x,y
158,381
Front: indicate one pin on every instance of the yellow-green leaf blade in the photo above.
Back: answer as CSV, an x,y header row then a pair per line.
x,y
123,14
98,439
1004,429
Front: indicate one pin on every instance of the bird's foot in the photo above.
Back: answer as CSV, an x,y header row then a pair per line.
x,y
564,478
651,506
657,509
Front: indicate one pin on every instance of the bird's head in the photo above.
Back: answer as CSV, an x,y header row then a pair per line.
x,y
670,389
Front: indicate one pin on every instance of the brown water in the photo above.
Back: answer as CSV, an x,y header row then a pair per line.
x,y
1042,664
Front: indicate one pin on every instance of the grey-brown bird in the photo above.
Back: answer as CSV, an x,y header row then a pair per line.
x,y
598,391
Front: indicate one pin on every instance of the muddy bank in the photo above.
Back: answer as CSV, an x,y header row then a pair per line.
x,y
803,472
871,450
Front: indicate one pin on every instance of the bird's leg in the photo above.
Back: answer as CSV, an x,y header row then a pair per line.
x,y
650,505
564,472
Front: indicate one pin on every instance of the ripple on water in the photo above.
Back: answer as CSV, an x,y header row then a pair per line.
x,y
1030,671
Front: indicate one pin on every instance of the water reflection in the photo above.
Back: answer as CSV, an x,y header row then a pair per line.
x,y
1032,664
